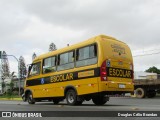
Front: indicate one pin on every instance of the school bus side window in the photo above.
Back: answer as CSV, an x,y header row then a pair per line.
x,y
49,65
86,56
66,61
93,51
35,69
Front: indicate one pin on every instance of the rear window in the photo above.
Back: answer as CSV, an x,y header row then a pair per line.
x,y
86,55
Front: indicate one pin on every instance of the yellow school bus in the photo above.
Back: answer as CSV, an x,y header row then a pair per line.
x,y
93,69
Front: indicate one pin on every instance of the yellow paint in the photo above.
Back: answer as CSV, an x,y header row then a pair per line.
x,y
85,74
60,78
108,48
119,73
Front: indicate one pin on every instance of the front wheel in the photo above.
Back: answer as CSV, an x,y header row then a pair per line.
x,y
30,98
23,98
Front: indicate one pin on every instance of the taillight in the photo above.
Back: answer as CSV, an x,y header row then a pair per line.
x,y
103,71
132,72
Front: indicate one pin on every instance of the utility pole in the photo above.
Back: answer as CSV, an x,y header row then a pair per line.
x,y
19,87
1,72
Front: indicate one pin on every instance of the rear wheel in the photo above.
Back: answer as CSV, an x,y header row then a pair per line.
x,y
79,102
140,93
56,101
30,98
71,98
99,100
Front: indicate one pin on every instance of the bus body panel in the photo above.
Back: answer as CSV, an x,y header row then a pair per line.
x,y
87,79
119,64
85,83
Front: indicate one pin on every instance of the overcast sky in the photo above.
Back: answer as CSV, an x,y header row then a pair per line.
x,y
28,26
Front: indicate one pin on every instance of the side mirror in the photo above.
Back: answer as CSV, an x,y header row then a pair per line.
x,y
29,69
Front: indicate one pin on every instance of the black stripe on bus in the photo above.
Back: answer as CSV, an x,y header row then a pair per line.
x,y
85,74
120,73
63,77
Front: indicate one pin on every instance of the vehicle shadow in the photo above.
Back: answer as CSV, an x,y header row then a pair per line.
x,y
83,105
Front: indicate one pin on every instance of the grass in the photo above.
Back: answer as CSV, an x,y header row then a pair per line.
x,y
10,97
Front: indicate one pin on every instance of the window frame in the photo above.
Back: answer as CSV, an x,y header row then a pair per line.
x,y
57,56
32,67
68,58
58,61
51,66
94,44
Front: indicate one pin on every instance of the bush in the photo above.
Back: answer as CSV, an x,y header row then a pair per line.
x,y
15,92
9,94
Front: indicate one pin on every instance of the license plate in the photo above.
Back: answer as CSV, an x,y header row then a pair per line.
x,y
122,86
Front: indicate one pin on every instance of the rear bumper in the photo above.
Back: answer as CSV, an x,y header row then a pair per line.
x,y
117,92
112,88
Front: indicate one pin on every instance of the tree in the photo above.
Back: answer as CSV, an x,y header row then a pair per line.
x,y
52,47
22,68
5,71
4,68
12,75
34,56
153,70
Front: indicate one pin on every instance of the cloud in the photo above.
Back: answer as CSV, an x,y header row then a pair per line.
x,y
30,26
127,20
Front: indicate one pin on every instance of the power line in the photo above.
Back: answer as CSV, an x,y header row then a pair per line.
x,y
146,50
146,54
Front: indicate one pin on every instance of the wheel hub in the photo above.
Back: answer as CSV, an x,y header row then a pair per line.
x,y
71,98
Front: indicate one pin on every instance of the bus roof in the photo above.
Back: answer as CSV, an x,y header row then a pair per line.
x,y
72,47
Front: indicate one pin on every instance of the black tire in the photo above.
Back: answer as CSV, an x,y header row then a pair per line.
x,y
71,98
158,91
23,98
99,100
151,94
140,93
79,102
56,101
30,98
